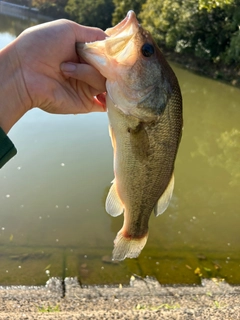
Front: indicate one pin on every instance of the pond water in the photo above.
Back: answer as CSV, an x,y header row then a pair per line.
x,y
52,194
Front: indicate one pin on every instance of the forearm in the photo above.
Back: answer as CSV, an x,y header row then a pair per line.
x,y
14,98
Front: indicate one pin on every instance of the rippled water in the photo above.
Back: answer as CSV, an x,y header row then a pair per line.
x,y
52,194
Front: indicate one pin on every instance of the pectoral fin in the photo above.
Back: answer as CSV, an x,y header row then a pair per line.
x,y
114,204
165,198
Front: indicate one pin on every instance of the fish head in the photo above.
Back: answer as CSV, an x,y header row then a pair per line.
x,y
134,68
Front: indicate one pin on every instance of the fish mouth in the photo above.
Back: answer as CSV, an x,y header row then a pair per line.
x,y
129,25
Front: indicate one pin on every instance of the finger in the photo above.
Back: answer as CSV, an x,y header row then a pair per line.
x,y
85,73
91,104
88,34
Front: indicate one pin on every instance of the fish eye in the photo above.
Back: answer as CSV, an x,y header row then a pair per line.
x,y
147,50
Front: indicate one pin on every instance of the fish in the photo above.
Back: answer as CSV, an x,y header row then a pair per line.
x,y
144,106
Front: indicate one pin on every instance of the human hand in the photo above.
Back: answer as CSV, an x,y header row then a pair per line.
x,y
41,50
33,73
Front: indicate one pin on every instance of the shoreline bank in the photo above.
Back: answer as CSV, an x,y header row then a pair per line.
x,y
143,299
226,74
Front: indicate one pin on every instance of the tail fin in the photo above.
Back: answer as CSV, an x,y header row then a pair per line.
x,y
127,247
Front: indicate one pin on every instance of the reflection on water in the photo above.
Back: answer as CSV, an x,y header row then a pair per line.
x,y
5,39
52,216
14,26
226,154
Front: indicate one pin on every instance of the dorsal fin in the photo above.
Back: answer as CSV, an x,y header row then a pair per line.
x,y
165,198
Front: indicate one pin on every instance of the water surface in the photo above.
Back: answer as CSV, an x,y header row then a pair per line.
x,y
52,194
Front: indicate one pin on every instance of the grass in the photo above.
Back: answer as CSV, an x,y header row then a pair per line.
x,y
49,309
155,308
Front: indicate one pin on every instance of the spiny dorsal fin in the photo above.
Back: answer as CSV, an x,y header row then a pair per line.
x,y
127,248
165,198
114,204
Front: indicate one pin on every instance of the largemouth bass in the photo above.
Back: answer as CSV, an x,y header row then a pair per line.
x,y
144,106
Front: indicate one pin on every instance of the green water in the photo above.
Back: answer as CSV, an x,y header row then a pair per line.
x,y
52,194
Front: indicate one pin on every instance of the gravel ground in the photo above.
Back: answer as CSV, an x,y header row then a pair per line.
x,y
143,299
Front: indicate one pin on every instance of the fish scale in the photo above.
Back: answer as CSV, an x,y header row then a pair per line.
x,y
144,106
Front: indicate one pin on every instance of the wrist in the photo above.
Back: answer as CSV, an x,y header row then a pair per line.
x,y
14,98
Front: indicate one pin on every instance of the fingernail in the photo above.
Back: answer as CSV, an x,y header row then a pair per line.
x,y
68,67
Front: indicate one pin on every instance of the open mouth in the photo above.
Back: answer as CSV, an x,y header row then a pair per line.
x,y
128,26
